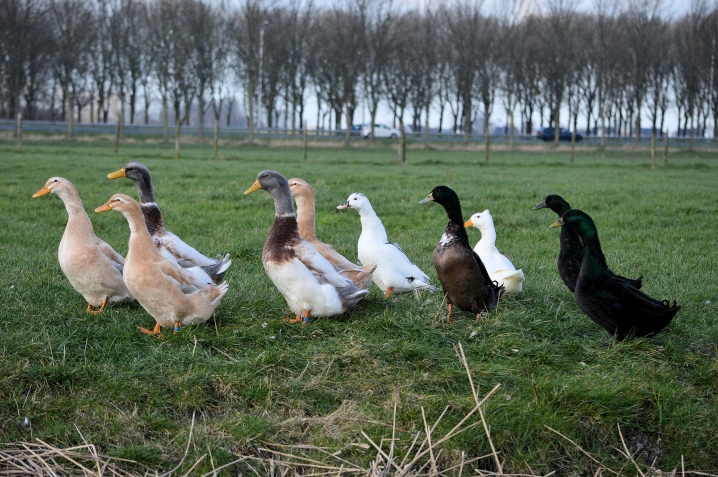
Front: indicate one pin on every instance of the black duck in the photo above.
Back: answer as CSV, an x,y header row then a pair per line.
x,y
612,302
570,254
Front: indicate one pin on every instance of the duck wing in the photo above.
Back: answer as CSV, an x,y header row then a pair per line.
x,y
318,265
115,258
186,255
624,308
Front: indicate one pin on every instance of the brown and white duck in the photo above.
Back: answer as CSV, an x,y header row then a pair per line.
x,y
169,243
463,276
307,280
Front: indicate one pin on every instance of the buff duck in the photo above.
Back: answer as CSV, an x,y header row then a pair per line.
x,y
169,243
462,274
308,281
500,268
571,253
92,266
303,194
163,288
394,272
610,301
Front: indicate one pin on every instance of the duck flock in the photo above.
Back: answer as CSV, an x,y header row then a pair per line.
x,y
177,285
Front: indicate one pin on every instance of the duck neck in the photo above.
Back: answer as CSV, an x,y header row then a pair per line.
x,y
488,235
139,235
306,217
455,226
153,217
144,190
77,218
593,259
371,225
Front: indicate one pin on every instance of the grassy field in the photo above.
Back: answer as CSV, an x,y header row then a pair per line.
x,y
570,399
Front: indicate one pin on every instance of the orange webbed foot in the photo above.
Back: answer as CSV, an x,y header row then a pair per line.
x,y
155,331
387,293
94,311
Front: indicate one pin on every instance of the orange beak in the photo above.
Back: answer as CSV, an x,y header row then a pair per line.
x,y
41,192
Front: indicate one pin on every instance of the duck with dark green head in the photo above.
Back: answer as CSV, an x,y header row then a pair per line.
x,y
463,276
570,254
610,301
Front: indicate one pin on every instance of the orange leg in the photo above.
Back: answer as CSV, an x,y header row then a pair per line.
x,y
304,319
478,316
157,330
102,307
448,316
387,293
177,326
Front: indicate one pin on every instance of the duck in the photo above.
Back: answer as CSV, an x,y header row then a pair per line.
x,y
308,281
464,279
570,255
161,286
169,244
500,268
91,265
611,302
394,272
303,194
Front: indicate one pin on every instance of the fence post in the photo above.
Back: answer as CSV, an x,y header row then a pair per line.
x,y
117,136
18,131
306,140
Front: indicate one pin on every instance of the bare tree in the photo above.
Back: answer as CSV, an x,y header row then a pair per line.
x,y
398,74
173,58
247,27
338,63
129,34
510,60
21,39
463,22
556,31
71,23
424,79
689,72
297,26
488,72
379,31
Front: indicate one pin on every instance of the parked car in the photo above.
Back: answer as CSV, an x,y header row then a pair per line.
x,y
380,131
549,134
355,129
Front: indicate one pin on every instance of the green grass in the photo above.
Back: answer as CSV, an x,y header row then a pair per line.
x,y
253,381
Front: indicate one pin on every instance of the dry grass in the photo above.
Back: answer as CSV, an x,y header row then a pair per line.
x,y
422,458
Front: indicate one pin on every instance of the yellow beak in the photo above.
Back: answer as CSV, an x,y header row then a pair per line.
x,y
41,192
254,187
558,223
468,223
116,174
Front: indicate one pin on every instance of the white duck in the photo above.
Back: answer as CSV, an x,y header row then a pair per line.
x,y
307,280
168,243
303,193
163,288
499,267
394,273
92,266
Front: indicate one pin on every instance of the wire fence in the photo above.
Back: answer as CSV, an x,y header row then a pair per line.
x,y
134,130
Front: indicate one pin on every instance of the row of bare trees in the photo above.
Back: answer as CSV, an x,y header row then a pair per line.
x,y
617,68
